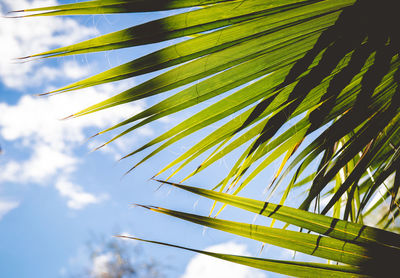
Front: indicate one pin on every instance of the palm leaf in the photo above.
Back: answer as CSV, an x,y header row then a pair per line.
x,y
321,224
299,269
319,246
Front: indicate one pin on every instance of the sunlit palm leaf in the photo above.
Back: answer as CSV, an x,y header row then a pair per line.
x,y
321,224
299,269
319,246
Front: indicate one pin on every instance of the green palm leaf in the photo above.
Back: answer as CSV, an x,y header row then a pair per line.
x,y
299,269
321,224
319,246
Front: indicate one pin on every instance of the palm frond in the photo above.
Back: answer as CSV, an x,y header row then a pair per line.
x,y
328,67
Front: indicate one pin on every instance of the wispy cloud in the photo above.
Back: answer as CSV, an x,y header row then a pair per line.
x,y
6,207
77,197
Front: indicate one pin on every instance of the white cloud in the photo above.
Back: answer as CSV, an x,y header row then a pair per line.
x,y
47,147
74,70
33,125
77,197
6,207
22,37
204,266
38,118
40,75
44,163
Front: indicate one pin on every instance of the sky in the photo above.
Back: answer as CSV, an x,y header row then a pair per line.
x,y
56,193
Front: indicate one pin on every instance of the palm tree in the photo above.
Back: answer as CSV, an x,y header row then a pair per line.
x,y
329,68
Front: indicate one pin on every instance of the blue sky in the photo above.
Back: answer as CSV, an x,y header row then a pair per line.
x,y
55,193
